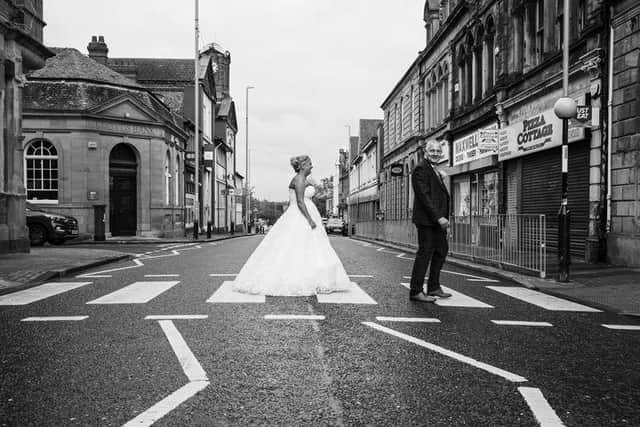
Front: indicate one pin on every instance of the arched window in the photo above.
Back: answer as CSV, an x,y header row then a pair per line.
x,y
479,64
470,70
167,179
411,111
490,55
401,118
445,82
462,77
176,181
41,171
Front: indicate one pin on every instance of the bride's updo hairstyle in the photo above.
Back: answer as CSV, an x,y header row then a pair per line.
x,y
298,161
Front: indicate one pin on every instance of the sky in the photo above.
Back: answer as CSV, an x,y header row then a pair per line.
x,y
317,66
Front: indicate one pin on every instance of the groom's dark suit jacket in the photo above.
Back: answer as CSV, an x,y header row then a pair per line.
x,y
431,196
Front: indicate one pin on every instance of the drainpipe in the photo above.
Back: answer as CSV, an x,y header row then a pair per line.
x,y
609,121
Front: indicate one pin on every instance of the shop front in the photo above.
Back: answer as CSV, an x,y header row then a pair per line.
x,y
531,152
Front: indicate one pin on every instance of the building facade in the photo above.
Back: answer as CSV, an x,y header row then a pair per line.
x,y
363,176
484,86
623,215
102,148
21,51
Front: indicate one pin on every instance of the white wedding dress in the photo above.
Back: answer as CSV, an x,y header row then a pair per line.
x,y
293,259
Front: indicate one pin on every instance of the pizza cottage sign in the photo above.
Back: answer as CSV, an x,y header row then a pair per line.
x,y
536,133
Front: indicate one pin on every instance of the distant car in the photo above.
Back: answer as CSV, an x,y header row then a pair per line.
x,y
324,221
334,225
49,227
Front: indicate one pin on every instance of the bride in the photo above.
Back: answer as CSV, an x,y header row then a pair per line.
x,y
295,257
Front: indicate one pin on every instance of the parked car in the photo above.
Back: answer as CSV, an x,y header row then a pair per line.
x,y
49,227
334,225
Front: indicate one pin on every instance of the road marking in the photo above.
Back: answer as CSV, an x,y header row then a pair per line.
x,y
548,302
175,316
400,255
352,295
520,323
456,299
542,411
471,277
136,293
37,293
294,317
223,274
360,275
623,327
457,356
168,404
188,361
137,263
53,318
161,275
226,294
407,319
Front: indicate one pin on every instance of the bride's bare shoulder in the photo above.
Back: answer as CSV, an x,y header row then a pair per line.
x,y
295,181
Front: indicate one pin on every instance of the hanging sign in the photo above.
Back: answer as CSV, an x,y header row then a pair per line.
x,y
397,169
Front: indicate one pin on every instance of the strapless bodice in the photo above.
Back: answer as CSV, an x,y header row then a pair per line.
x,y
309,192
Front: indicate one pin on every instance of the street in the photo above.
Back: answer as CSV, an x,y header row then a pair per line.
x,y
162,338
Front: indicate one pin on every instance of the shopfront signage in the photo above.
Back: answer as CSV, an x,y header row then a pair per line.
x,y
479,144
397,169
537,133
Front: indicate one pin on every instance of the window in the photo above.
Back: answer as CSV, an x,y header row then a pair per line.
x,y
176,181
461,196
539,30
478,55
490,56
41,171
489,194
167,179
411,111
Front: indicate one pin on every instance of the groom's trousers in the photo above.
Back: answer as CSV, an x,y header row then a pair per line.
x,y
432,251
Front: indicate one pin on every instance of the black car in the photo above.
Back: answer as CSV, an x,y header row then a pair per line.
x,y
49,227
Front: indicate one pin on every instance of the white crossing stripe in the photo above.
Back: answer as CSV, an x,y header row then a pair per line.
x,y
161,275
457,356
623,327
175,316
548,302
53,318
360,275
520,323
136,293
190,365
352,295
37,293
223,274
407,319
471,277
294,317
542,411
456,299
226,294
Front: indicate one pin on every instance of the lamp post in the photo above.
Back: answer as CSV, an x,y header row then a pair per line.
x,y
564,108
247,215
196,141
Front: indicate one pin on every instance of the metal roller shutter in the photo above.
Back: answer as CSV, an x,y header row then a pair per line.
x,y
542,188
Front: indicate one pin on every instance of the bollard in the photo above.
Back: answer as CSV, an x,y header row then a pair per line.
x,y
208,229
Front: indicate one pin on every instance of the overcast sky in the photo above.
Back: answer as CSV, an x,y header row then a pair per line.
x,y
317,65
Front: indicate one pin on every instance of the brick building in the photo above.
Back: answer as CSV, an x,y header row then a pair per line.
x,y
623,240
21,51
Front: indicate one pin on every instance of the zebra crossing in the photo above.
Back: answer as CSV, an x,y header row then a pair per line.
x,y
141,292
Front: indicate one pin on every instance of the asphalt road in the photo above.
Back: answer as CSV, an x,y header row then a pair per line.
x,y
351,364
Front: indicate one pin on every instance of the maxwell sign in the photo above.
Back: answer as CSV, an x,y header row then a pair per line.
x,y
536,133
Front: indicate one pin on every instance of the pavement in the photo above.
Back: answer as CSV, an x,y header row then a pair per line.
x,y
20,271
608,287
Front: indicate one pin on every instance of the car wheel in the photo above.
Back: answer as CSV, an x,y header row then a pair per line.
x,y
57,242
37,235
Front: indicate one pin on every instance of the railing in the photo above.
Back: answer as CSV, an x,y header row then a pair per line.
x,y
505,240
516,241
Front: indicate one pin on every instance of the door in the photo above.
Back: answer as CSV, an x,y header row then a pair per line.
x,y
123,204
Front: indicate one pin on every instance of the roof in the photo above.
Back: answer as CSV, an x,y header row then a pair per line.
x,y
159,69
71,64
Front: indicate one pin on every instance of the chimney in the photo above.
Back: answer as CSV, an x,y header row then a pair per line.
x,y
98,50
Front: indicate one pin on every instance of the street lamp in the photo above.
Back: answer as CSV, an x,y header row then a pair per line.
x,y
246,134
564,108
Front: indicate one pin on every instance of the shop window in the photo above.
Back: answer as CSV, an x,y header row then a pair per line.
x,y
41,171
461,196
167,179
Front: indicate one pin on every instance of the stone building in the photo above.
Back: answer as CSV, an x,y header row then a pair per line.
x,y
21,51
623,219
363,182
489,72
94,138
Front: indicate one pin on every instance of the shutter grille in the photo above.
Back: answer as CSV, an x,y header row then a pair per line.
x,y
542,188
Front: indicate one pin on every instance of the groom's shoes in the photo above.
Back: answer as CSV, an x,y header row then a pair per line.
x,y
421,297
439,293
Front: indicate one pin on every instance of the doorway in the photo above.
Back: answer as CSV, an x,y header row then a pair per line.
x,y
123,178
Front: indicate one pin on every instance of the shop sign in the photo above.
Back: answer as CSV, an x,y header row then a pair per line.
x,y
537,133
208,156
479,144
397,169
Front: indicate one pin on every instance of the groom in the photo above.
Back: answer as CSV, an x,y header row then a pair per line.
x,y
430,215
